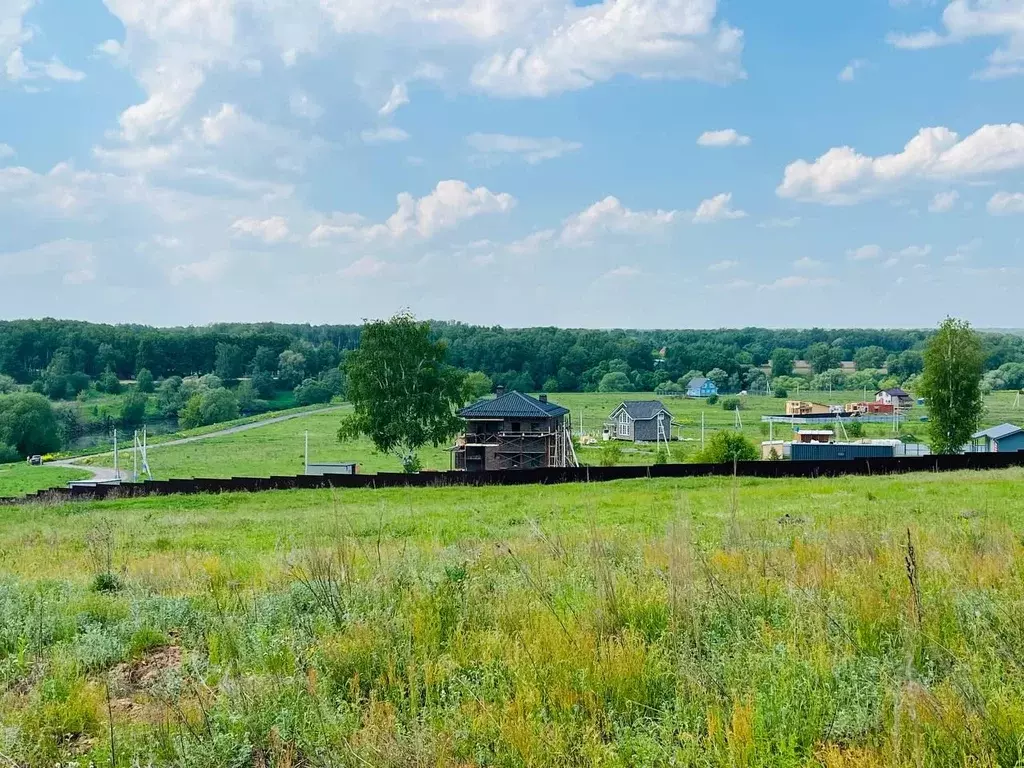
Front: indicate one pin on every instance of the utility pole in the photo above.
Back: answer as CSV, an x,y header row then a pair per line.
x,y
702,430
305,470
117,471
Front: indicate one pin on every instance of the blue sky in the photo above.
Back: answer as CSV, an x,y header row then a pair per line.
x,y
642,163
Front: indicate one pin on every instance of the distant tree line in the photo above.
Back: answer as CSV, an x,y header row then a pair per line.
x,y
60,358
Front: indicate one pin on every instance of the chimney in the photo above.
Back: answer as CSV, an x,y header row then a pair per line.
x,y
543,398
499,390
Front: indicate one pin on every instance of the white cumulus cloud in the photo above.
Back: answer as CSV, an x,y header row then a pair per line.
x,y
1004,203
584,45
943,202
865,253
448,204
844,176
717,208
729,137
398,97
610,216
271,230
964,20
797,281
849,72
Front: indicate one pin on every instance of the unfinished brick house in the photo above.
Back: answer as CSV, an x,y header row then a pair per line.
x,y
514,431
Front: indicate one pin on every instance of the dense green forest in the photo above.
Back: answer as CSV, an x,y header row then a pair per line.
x,y
60,358
62,382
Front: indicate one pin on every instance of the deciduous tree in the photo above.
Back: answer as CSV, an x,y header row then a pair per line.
x,y
951,384
403,391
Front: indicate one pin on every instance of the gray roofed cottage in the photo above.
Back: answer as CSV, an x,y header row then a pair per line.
x,y
642,421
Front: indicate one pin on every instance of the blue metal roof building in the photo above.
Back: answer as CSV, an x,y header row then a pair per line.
x,y
1006,438
701,387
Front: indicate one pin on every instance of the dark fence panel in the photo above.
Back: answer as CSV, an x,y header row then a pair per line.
x,y
553,476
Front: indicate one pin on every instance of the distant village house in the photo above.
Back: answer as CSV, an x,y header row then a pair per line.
x,y
640,421
895,397
701,387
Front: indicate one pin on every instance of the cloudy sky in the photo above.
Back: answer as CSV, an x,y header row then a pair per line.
x,y
670,163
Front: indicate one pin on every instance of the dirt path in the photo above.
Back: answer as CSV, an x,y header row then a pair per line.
x,y
102,474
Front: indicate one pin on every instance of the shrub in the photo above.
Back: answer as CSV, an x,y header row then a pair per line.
x,y
661,456
732,404
781,393
611,453
144,381
727,446
312,392
8,454
713,400
109,383
133,409
105,582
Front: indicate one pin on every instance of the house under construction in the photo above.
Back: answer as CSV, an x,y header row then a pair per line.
x,y
514,431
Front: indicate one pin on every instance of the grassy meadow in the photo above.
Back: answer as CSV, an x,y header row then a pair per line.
x,y
711,622
20,478
278,449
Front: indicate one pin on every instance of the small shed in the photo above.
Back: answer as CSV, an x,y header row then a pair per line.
x,y
1006,438
642,421
701,386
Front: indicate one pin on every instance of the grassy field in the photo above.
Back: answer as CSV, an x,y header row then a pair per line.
x,y
706,622
20,479
278,449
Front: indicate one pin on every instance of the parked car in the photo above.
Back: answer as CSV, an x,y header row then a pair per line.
x,y
35,461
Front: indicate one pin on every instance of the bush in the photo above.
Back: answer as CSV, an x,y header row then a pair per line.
x,y
611,453
661,457
8,454
732,404
208,407
264,385
109,383
725,447
144,381
854,429
105,582
615,382
133,408
781,392
312,392
713,400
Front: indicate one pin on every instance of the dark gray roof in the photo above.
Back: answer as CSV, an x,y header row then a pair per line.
x,y
512,405
697,383
998,433
895,392
642,410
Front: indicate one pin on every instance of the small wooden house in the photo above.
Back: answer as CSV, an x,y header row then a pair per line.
x,y
640,421
701,387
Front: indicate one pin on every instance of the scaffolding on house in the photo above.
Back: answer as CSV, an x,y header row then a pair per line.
x,y
520,450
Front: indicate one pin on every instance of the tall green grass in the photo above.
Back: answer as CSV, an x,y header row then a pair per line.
x,y
854,622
